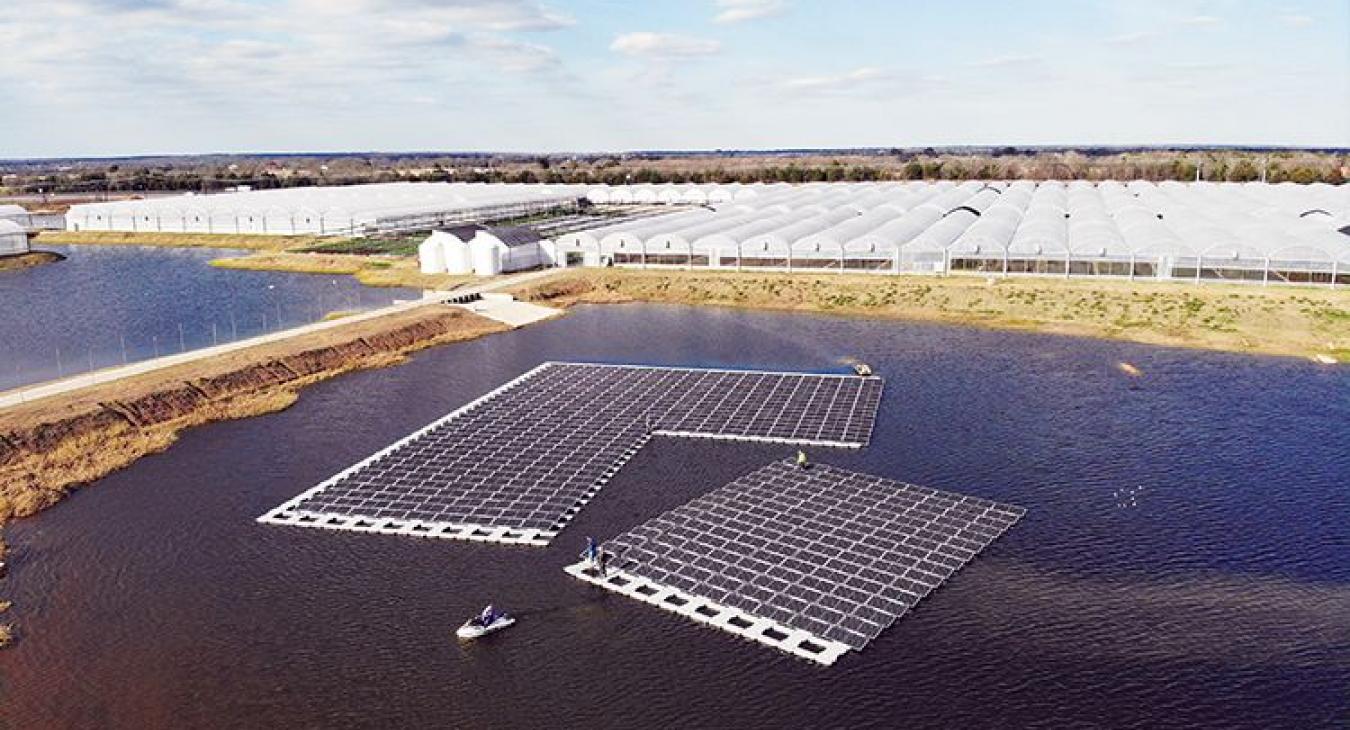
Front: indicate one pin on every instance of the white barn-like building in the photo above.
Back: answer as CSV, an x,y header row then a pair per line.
x,y
484,251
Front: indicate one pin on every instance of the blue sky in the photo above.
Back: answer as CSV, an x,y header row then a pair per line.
x,y
112,77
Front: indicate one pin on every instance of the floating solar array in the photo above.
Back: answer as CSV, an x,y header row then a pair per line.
x,y
813,561
517,464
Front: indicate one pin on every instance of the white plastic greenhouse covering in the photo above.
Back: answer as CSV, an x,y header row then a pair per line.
x,y
348,210
13,238
1190,231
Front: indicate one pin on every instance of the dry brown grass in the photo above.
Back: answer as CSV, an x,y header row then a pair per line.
x,y
1275,320
369,270
28,260
180,240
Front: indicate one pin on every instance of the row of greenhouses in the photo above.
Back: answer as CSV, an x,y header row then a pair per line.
x,y
327,211
1201,231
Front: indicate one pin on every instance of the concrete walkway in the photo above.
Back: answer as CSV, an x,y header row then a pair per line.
x,y
499,307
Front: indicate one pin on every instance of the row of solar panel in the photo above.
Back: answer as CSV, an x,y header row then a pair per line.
x,y
843,573
547,441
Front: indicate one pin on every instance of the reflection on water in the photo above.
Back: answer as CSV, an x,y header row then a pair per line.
x,y
108,305
1213,593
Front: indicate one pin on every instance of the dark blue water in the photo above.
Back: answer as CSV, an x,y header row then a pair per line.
x,y
106,305
1183,561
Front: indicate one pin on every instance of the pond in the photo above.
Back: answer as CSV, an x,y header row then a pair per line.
x,y
109,305
1182,561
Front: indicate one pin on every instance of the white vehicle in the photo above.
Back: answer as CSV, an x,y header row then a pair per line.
x,y
485,623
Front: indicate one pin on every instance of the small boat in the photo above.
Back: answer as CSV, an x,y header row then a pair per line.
x,y
476,627
862,369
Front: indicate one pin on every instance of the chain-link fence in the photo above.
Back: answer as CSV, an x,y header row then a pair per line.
x,y
113,347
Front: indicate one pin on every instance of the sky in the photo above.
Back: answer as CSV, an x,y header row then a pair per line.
x,y
125,77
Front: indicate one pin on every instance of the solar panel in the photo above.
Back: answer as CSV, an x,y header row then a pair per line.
x,y
516,465
835,556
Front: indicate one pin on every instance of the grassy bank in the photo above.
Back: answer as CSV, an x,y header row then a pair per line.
x,y
180,240
28,260
371,271
404,245
1275,320
49,446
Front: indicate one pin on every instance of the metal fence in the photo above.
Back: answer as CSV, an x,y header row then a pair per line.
x,y
115,348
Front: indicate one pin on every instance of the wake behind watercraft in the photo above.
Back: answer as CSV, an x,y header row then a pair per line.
x,y
487,622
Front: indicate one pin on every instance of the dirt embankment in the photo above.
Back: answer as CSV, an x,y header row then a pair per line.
x,y
50,446
28,260
1277,320
6,629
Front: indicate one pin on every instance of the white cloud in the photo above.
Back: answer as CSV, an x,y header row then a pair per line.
x,y
207,51
494,15
736,11
1007,61
835,83
189,75
1202,21
517,56
1129,39
663,45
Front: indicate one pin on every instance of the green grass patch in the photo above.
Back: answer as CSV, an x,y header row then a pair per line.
x,y
392,246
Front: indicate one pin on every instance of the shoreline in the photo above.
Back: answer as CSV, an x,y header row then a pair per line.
x,y
287,254
382,271
59,442
179,240
19,262
1284,321
35,431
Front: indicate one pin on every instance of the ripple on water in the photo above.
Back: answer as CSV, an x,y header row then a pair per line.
x,y
1178,564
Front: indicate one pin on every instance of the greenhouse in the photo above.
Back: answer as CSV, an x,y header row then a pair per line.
x,y
350,210
1248,232
1241,232
11,212
13,238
